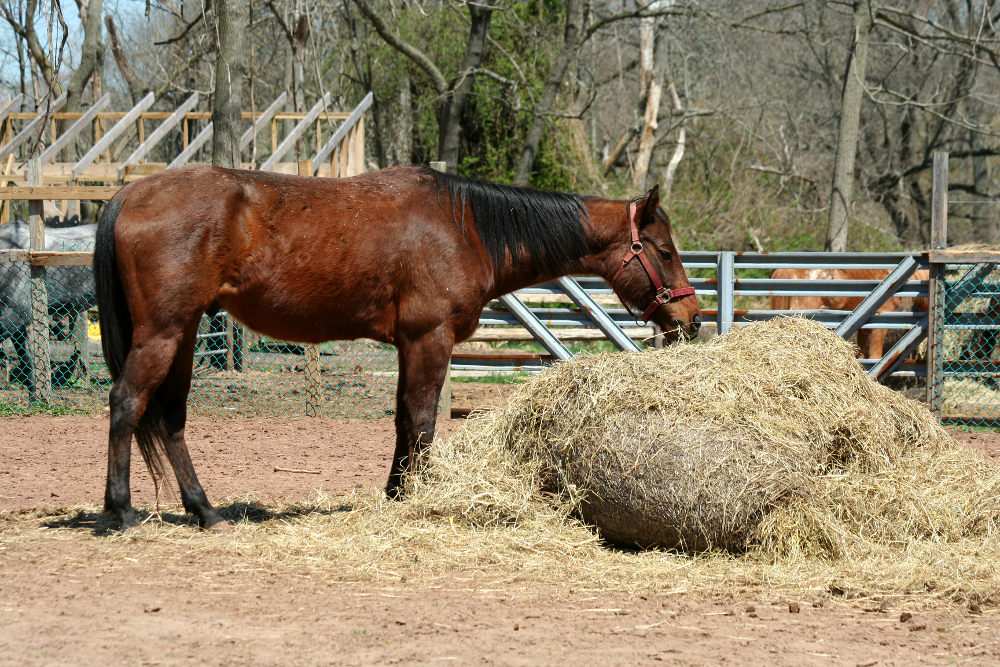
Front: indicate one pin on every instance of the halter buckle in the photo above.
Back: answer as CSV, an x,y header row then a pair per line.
x,y
637,246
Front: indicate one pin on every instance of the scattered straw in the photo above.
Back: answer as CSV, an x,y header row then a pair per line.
x,y
863,494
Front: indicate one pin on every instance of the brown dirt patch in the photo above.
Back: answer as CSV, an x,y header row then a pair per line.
x,y
71,597
63,460
479,395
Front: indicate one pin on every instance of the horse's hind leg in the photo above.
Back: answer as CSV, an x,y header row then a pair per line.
x,y
146,366
172,396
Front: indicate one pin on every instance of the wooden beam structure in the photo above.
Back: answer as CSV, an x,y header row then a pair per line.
x,y
76,128
47,257
343,152
188,153
158,134
49,192
341,133
964,256
262,120
30,128
112,134
8,107
296,133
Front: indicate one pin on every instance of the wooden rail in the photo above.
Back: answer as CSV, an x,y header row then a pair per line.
x,y
50,192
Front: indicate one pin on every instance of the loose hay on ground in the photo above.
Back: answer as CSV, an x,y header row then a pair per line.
x,y
859,490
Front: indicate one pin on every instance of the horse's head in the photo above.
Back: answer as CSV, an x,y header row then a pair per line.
x,y
650,277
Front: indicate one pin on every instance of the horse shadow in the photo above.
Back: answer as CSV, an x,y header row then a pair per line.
x,y
102,524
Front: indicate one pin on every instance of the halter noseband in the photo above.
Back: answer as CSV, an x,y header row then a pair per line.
x,y
663,295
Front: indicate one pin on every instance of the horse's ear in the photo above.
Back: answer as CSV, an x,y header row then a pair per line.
x,y
648,206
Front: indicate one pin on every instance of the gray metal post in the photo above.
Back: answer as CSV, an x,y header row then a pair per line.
x,y
597,315
40,385
535,326
726,286
900,351
879,296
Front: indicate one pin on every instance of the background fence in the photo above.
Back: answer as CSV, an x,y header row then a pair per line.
x,y
240,373
50,346
965,377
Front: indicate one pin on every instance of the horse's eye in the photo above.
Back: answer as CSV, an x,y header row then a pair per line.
x,y
665,254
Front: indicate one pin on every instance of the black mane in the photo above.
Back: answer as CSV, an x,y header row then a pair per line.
x,y
544,227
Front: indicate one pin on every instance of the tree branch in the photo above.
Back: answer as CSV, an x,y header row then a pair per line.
x,y
135,91
408,50
184,32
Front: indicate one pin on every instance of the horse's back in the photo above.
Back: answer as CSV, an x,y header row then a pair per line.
x,y
303,258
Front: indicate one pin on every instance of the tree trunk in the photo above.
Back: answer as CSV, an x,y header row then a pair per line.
x,y
402,149
522,173
91,57
653,79
91,62
452,106
35,48
850,118
675,159
134,89
453,94
230,71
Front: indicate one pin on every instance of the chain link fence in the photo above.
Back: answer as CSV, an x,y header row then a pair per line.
x,y
966,386
50,353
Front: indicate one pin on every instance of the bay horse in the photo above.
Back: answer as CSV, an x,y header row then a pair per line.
x,y
407,256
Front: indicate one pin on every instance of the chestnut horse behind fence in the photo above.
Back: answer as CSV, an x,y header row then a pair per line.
x,y
406,256
870,341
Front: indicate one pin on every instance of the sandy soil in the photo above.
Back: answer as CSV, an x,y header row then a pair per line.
x,y
76,600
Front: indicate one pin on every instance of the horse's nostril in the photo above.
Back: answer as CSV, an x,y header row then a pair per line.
x,y
696,319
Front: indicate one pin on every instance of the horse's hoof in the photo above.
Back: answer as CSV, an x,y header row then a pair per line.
x,y
219,528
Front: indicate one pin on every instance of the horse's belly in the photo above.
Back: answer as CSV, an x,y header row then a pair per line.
x,y
310,318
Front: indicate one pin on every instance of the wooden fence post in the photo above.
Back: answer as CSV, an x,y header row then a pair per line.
x,y
81,342
40,387
313,369
939,202
939,241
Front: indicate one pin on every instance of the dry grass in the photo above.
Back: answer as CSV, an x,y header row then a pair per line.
x,y
864,494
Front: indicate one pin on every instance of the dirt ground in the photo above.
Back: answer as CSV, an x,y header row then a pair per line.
x,y
77,600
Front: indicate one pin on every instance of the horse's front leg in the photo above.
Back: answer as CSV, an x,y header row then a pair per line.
x,y
423,364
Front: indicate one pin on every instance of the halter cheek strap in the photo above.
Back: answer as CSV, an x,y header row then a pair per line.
x,y
663,295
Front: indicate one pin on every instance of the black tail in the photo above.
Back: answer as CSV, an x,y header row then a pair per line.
x,y
116,335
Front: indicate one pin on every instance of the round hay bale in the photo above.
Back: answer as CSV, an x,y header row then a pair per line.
x,y
771,436
648,483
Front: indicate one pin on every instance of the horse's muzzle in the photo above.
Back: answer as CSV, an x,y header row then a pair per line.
x,y
688,329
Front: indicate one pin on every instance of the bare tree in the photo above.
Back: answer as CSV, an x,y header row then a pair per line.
x,y
850,117
230,72
452,93
91,55
25,29
128,74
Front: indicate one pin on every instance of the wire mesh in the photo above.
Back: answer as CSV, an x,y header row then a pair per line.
x,y
48,319
967,376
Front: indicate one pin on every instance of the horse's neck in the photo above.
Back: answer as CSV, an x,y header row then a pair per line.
x,y
604,234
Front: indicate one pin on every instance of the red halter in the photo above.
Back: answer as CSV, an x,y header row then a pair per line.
x,y
663,295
